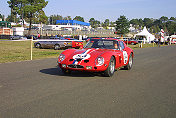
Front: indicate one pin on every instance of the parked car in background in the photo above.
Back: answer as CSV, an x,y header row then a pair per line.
x,y
173,41
17,37
54,37
131,41
68,38
30,37
99,55
58,44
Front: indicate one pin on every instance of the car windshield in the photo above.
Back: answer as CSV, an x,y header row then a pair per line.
x,y
102,44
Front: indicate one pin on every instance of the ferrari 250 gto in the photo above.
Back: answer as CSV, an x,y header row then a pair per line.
x,y
99,55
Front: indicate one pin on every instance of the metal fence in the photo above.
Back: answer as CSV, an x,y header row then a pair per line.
x,y
99,33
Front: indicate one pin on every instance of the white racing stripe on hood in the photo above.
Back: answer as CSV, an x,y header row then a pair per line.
x,y
85,55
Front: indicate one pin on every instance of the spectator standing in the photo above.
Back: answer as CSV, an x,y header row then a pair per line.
x,y
159,42
38,36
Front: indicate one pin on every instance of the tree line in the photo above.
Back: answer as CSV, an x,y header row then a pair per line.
x,y
32,11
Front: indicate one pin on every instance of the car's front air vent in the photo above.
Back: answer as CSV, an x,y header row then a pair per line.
x,y
71,60
86,61
75,66
79,60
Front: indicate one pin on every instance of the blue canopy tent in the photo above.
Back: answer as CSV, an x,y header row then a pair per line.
x,y
72,22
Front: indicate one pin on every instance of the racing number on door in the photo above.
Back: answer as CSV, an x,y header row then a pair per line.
x,y
125,57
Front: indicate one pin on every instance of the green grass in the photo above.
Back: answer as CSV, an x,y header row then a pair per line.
x,y
3,39
143,46
12,51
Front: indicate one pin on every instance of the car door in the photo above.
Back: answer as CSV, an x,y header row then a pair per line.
x,y
119,55
124,53
50,44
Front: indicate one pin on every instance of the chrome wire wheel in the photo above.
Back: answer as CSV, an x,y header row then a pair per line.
x,y
56,47
112,66
38,45
130,62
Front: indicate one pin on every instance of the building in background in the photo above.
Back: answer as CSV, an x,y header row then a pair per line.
x,y
69,25
5,28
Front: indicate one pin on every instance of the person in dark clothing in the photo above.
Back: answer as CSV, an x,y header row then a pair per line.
x,y
159,40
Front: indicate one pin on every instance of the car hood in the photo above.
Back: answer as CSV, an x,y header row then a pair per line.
x,y
87,54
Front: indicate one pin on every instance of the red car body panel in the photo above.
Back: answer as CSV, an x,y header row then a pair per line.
x,y
88,58
131,42
77,44
173,41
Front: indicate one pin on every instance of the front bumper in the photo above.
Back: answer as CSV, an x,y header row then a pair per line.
x,y
75,67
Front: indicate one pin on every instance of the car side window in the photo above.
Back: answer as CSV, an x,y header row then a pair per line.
x,y
122,45
116,45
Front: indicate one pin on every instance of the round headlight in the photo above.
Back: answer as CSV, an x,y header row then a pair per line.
x,y
61,57
99,61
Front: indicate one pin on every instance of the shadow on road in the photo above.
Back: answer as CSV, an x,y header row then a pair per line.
x,y
58,71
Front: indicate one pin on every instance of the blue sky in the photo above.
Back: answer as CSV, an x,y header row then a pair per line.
x,y
106,9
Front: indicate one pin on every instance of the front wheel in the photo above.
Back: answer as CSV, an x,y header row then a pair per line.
x,y
56,47
130,63
111,68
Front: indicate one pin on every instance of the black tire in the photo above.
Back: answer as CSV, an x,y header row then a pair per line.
x,y
38,45
130,63
111,68
56,47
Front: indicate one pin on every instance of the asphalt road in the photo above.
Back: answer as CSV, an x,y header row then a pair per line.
x,y
38,89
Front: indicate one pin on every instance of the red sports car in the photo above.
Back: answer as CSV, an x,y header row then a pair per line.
x,y
99,55
132,42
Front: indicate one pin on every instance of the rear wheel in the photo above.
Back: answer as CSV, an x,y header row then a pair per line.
x,y
38,45
111,68
57,47
130,63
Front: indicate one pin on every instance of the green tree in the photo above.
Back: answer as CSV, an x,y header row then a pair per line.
x,y
122,25
2,17
141,23
135,23
12,19
106,23
163,19
53,18
94,23
172,18
79,18
13,6
147,22
171,27
30,9
67,18
112,24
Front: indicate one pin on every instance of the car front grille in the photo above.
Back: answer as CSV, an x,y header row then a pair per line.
x,y
75,66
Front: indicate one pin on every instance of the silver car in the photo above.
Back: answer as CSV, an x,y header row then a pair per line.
x,y
18,37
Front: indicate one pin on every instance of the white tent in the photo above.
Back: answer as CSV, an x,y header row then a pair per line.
x,y
149,37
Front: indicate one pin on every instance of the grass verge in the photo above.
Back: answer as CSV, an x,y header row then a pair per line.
x,y
12,51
